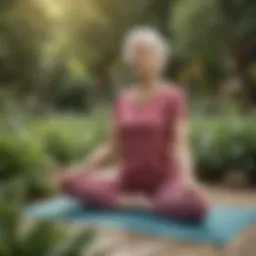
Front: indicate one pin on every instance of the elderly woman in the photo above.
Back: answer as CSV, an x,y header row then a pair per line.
x,y
150,134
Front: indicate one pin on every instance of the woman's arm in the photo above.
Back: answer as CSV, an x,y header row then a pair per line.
x,y
93,163
181,129
182,151
107,150
104,153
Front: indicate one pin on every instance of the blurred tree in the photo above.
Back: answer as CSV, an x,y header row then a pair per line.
x,y
45,43
23,31
221,34
159,15
96,29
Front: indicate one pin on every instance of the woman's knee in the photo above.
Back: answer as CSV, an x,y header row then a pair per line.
x,y
187,206
96,192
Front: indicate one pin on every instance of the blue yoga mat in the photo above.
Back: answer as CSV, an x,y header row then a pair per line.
x,y
221,225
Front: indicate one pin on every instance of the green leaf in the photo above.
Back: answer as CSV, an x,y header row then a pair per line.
x,y
77,245
41,239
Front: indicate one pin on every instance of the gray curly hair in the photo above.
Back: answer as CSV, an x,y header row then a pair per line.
x,y
149,36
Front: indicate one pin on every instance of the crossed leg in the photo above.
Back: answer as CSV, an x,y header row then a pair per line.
x,y
169,201
99,191
178,203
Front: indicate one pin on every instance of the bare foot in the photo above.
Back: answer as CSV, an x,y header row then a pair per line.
x,y
136,202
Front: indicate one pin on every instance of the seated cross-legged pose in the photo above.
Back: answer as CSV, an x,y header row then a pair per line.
x,y
150,134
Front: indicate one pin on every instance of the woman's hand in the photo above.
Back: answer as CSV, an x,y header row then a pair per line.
x,y
69,172
189,182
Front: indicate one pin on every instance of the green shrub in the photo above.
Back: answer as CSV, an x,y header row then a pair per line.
x,y
31,151
70,139
219,145
21,157
19,236
77,96
222,145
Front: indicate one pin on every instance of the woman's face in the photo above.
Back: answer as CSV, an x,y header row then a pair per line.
x,y
146,60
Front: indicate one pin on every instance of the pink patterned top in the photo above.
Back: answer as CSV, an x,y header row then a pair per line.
x,y
146,138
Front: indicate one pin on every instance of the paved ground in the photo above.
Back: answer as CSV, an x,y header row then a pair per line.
x,y
120,243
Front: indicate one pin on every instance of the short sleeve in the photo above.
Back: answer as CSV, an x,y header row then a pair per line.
x,y
177,106
180,106
116,109
115,116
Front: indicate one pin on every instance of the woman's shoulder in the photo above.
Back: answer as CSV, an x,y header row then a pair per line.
x,y
173,91
125,93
